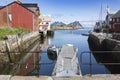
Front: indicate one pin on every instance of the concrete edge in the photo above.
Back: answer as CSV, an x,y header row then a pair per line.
x,y
86,77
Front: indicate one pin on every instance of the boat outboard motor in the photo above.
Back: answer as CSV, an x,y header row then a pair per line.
x,y
52,52
52,55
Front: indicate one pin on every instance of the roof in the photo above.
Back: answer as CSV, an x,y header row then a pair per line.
x,y
45,18
23,5
32,7
109,16
117,14
29,5
1,7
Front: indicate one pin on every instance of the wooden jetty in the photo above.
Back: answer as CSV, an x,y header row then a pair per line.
x,y
67,64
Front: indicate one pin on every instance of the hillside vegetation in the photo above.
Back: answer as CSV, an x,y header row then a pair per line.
x,y
64,27
9,31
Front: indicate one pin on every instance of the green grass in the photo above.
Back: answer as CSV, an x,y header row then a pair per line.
x,y
10,31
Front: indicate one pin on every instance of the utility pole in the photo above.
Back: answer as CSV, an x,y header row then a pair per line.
x,y
100,17
107,10
101,12
107,22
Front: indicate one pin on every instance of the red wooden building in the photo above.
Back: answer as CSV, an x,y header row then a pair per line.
x,y
115,23
18,14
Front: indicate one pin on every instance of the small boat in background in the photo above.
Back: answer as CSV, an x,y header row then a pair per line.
x,y
85,34
52,52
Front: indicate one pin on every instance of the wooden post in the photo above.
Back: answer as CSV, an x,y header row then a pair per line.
x,y
7,48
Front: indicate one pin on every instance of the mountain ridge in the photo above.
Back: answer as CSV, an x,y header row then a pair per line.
x,y
75,24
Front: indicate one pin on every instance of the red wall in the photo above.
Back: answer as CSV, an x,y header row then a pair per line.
x,y
3,18
115,25
20,17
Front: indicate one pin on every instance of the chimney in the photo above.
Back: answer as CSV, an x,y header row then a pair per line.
x,y
18,1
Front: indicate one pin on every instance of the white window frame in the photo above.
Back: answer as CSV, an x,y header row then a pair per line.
x,y
10,16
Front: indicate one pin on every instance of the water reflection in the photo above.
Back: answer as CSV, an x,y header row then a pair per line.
x,y
30,63
31,66
23,62
40,63
46,63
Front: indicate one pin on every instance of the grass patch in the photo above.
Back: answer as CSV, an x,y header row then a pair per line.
x,y
10,31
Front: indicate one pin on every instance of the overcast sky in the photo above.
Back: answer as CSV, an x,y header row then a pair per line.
x,y
72,10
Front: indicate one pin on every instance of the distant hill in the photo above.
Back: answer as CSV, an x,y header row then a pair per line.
x,y
76,24
61,25
58,24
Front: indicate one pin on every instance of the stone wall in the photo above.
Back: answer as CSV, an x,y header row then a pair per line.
x,y
16,44
107,51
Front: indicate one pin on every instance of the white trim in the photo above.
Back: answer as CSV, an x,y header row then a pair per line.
x,y
10,16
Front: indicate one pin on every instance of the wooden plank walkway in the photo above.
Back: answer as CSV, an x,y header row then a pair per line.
x,y
67,63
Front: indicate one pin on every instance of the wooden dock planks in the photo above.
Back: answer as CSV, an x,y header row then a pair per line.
x,y
67,63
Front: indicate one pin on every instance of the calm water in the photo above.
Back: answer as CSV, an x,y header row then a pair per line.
x,y
74,37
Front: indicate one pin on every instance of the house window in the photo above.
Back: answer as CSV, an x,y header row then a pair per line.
x,y
10,17
113,20
46,22
110,19
117,19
